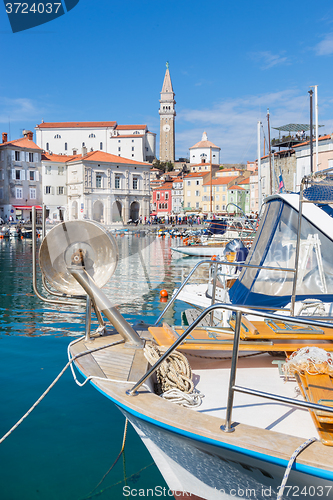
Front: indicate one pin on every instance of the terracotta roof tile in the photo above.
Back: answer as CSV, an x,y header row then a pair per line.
x,y
220,181
131,127
108,158
196,174
59,158
24,142
237,187
76,124
204,144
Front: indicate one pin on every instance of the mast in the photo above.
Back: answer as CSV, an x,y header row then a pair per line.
x,y
311,132
259,168
316,124
270,154
211,182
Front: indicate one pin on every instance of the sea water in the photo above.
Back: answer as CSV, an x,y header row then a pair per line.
x,y
66,446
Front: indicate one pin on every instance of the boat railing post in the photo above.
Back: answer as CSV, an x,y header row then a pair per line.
x,y
44,221
227,427
298,244
173,298
88,319
215,269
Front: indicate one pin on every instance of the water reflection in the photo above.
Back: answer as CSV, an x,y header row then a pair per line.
x,y
146,265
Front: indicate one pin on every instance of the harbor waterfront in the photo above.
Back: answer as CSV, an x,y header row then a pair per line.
x,y
66,446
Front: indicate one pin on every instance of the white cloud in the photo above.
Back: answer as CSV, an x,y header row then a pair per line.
x,y
232,124
18,110
267,59
325,47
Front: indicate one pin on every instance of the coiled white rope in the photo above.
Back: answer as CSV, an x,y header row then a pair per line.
x,y
174,376
290,464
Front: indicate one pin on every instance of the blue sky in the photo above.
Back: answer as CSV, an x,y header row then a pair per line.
x,y
229,62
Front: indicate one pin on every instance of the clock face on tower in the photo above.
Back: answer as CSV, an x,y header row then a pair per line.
x,y
166,127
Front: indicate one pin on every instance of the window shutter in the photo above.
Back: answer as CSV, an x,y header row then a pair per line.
x,y
13,173
37,176
52,190
65,190
13,155
22,175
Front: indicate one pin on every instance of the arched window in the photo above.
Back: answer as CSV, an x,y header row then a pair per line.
x,y
92,136
57,136
47,146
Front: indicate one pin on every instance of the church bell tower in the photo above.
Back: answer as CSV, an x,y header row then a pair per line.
x,y
167,119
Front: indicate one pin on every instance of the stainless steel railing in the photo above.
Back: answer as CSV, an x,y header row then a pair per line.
x,y
240,310
219,262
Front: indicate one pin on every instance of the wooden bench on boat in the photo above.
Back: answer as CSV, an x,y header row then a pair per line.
x,y
221,339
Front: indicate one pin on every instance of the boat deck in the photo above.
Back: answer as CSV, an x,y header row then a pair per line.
x,y
262,425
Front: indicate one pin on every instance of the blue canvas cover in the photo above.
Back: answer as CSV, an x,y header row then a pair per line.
x,y
275,246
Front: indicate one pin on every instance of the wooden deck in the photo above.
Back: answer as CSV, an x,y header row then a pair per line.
x,y
118,362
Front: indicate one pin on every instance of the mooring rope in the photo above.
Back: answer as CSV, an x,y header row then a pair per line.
x,y
290,464
54,382
174,377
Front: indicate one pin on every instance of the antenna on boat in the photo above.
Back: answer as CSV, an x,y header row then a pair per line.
x,y
316,122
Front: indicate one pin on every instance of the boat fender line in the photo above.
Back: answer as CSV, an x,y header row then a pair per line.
x,y
55,381
174,377
290,464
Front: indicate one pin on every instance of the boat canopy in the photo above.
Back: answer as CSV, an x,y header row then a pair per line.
x,y
217,226
275,246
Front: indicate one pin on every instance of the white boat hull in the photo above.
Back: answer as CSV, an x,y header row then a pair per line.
x,y
200,250
197,469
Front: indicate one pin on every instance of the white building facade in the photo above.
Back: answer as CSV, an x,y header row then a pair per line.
x,y
107,188
20,177
54,185
177,196
127,141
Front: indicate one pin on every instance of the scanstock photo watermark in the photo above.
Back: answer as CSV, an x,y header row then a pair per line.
x,y
262,493
25,15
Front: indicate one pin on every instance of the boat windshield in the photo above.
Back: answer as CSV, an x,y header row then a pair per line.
x,y
275,246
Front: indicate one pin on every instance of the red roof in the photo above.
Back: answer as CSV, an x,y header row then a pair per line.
x,y
76,124
106,157
237,187
24,142
59,158
130,127
220,181
204,144
196,174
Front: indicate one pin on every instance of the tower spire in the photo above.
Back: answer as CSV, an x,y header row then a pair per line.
x,y
167,119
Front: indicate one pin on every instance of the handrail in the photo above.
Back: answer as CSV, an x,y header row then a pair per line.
x,y
206,261
173,298
237,309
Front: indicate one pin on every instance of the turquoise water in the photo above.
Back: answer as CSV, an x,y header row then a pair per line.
x,y
68,443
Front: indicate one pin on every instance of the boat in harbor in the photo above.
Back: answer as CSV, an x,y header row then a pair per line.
x,y
214,238
221,411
